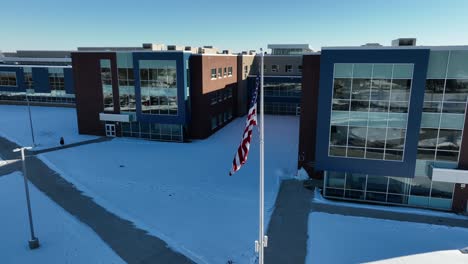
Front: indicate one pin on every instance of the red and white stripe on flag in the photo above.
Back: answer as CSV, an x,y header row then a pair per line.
x,y
243,150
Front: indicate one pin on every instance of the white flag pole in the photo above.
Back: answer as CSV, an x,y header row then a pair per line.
x,y
262,241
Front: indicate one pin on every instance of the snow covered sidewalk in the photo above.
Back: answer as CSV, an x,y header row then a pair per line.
x,y
348,239
63,238
49,123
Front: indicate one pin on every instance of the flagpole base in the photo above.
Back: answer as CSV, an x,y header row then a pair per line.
x,y
33,243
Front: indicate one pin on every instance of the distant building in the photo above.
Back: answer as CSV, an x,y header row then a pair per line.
x,y
385,124
170,95
289,49
42,77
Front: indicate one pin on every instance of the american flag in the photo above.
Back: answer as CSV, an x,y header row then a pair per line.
x,y
243,150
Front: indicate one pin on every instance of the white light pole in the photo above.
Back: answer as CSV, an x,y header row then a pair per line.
x,y
34,241
30,120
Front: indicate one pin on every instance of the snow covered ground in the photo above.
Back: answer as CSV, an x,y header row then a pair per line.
x,y
347,239
63,238
49,123
181,192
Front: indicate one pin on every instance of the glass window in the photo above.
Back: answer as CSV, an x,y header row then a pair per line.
x,y
397,185
382,71
452,121
420,186
458,65
355,181
342,88
456,90
299,68
403,71
288,68
376,137
380,89
369,103
434,90
230,71
442,190
106,83
400,90
362,70
361,89
213,73
159,91
337,151
428,138
377,184
220,72
426,154
437,64
342,105
225,72
339,135
343,70
335,179
274,68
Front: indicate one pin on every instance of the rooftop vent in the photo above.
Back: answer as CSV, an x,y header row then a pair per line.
x,y
404,42
372,45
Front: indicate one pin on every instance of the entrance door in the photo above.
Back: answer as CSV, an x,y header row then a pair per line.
x,y
110,130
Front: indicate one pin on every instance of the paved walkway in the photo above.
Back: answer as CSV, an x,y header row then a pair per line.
x,y
92,141
287,231
132,244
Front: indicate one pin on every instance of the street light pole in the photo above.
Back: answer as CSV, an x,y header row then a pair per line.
x,y
34,241
30,120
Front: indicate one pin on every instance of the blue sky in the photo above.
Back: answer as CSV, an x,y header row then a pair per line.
x,y
237,25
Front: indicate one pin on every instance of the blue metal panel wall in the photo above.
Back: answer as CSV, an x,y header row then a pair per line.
x,y
69,82
180,58
419,57
41,80
20,86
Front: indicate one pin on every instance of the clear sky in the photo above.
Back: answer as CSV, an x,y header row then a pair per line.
x,y
237,25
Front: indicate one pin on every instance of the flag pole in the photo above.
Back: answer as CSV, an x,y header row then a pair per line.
x,y
262,239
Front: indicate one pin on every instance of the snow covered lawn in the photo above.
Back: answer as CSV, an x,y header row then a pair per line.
x,y
63,238
347,239
49,123
181,192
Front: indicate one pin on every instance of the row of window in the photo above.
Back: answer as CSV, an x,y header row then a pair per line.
x,y
43,98
283,89
419,191
221,95
7,78
288,68
164,132
220,119
273,108
221,72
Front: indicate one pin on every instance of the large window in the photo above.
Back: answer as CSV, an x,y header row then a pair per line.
x,y
56,81
158,82
7,78
370,110
419,191
106,83
28,79
283,89
213,73
445,100
160,132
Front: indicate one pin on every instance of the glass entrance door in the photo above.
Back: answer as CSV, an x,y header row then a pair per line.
x,y
110,130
